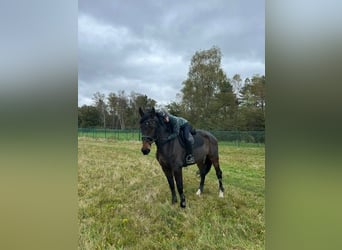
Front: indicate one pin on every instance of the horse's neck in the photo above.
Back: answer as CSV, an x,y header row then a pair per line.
x,y
162,133
167,148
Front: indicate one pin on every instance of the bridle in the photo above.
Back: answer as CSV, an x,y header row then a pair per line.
x,y
147,138
154,138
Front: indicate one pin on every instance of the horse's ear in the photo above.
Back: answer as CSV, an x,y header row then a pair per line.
x,y
141,112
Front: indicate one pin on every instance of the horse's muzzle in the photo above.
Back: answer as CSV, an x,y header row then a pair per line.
x,y
146,147
145,151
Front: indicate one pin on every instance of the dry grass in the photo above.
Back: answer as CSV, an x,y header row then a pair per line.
x,y
125,201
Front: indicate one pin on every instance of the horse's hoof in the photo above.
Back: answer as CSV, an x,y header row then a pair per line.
x,y
199,192
221,194
183,204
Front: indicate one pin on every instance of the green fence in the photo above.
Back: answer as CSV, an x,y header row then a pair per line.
x,y
240,136
117,134
135,135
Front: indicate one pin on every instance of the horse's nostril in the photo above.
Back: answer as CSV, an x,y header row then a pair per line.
x,y
145,151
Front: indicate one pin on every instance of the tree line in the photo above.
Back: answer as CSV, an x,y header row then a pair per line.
x,y
208,99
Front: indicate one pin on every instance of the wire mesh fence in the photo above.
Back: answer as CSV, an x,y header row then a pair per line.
x,y
135,135
116,134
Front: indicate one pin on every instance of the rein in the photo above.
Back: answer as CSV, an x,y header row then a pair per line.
x,y
159,141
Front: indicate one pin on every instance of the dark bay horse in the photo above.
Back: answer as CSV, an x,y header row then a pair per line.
x,y
171,154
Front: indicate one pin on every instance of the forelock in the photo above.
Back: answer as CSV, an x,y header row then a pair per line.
x,y
144,118
147,115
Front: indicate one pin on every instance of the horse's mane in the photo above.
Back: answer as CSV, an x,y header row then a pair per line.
x,y
160,119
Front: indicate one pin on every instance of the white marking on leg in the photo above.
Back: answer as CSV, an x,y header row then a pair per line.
x,y
221,194
198,192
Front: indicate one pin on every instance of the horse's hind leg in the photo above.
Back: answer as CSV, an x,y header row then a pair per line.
x,y
215,161
203,170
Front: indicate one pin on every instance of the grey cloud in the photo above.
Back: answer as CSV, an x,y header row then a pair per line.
x,y
147,45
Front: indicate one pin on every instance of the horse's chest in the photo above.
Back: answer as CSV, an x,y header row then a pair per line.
x,y
170,160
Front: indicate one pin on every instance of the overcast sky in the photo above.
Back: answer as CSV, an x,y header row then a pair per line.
x,y
146,46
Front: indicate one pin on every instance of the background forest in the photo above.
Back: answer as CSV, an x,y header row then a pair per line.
x,y
208,99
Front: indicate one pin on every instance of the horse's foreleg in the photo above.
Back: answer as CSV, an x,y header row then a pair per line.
x,y
169,177
179,182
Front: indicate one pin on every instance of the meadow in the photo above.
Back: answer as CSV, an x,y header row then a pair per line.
x,y
125,201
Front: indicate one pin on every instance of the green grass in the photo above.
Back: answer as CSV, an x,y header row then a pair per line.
x,y
125,201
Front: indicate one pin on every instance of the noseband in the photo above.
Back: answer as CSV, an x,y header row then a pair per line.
x,y
155,138
148,138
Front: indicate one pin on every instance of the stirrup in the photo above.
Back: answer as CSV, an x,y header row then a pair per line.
x,y
189,159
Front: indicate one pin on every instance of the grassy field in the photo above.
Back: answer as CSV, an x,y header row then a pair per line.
x,y
125,201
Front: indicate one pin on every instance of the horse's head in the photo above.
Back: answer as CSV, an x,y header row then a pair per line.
x,y
148,126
